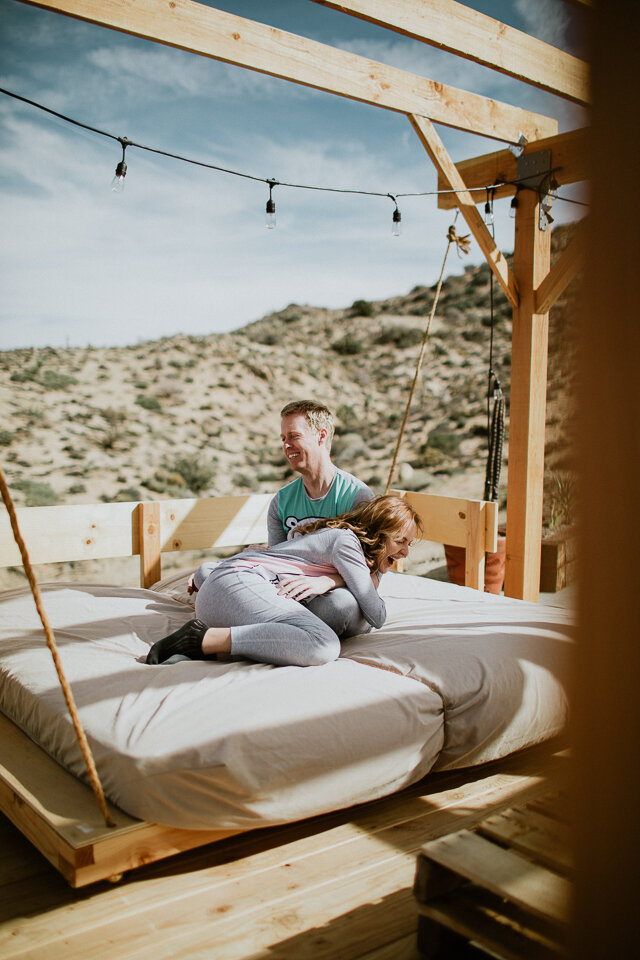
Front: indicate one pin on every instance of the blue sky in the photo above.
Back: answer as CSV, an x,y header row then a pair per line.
x,y
185,249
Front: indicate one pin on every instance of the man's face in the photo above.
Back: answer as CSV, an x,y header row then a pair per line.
x,y
302,446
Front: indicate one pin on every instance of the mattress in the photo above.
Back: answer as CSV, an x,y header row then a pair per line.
x,y
454,678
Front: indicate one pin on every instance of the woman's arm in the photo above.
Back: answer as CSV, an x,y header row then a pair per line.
x,y
348,559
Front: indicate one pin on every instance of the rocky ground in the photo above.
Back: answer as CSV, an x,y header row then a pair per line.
x,y
187,415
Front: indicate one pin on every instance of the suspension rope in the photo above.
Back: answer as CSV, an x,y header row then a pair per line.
x,y
51,643
462,245
495,420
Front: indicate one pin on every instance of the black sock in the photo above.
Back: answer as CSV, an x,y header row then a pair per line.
x,y
187,641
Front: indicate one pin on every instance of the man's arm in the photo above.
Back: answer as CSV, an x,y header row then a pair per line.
x,y
275,530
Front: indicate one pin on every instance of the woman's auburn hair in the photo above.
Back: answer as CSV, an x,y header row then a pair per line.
x,y
372,522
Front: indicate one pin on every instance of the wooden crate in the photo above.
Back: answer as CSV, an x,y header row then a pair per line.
x,y
558,561
503,886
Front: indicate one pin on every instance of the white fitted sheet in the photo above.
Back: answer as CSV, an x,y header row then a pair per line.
x,y
455,677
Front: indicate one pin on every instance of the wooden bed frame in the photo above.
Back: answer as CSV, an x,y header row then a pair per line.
x,y
59,813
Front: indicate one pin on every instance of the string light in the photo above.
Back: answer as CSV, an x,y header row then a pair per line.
x,y
514,205
488,208
117,184
118,181
396,219
270,221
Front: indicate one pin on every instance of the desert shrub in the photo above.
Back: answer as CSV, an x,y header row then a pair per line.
x,y
445,441
291,318
54,380
363,308
148,403
400,337
6,438
195,473
474,335
128,494
269,338
37,493
348,346
77,488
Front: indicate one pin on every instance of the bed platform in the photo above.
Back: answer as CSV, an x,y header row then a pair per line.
x,y
416,709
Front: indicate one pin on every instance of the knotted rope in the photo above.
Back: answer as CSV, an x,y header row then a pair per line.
x,y
51,643
462,245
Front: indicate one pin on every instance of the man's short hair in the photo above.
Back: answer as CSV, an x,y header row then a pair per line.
x,y
317,415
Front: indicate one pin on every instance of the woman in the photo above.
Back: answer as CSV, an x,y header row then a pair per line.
x,y
251,606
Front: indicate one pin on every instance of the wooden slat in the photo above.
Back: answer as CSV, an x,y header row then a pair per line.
x,y
568,162
213,33
73,532
213,522
532,256
541,838
447,519
474,547
536,889
564,270
150,559
467,205
460,29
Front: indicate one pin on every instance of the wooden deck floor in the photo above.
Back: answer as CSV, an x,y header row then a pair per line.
x,y
338,887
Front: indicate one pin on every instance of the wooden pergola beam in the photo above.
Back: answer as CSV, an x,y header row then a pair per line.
x,y
466,204
222,36
561,274
458,29
527,414
568,161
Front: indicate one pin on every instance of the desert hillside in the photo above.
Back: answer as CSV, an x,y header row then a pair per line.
x,y
188,415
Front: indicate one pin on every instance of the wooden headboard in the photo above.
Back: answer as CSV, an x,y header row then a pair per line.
x,y
150,528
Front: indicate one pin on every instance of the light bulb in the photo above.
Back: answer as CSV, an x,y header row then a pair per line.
x,y
396,229
514,206
270,220
117,184
488,213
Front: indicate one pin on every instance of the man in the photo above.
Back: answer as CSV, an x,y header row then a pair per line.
x,y
321,490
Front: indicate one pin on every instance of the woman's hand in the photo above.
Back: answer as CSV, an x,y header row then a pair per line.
x,y
300,588
191,587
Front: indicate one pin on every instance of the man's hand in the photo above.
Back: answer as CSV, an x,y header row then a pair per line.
x,y
300,588
191,587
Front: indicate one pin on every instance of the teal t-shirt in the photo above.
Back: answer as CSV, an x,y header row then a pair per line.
x,y
293,505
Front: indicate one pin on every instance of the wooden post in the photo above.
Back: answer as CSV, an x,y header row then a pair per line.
x,y
150,556
531,262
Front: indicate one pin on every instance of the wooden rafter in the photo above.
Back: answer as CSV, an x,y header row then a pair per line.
x,y
561,274
568,161
467,205
458,29
222,36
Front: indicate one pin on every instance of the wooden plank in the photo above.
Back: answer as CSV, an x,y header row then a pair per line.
x,y
474,547
213,522
532,256
467,205
222,36
447,519
568,162
504,873
73,532
564,270
264,889
541,838
504,930
458,29
150,559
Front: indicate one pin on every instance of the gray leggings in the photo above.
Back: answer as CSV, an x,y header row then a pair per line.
x,y
264,626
